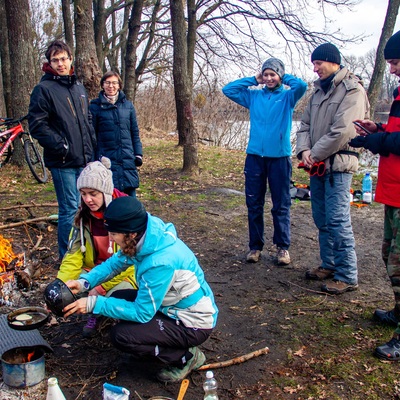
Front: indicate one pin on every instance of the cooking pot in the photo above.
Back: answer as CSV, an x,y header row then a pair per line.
x,y
18,372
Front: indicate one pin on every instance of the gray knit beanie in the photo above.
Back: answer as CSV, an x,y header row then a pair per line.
x,y
97,175
276,65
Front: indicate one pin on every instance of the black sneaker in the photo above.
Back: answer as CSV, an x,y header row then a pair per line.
x,y
389,351
386,317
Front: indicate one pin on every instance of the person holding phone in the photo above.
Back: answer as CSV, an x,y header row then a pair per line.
x,y
385,141
268,151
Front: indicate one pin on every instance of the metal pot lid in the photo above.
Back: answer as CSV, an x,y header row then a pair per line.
x,y
27,318
11,338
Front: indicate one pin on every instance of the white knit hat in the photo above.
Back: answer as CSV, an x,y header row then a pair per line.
x,y
97,175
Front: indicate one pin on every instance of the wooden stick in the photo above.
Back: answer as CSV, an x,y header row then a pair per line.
x,y
36,246
30,221
236,360
29,205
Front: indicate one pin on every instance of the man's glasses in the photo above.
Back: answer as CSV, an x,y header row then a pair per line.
x,y
108,83
57,60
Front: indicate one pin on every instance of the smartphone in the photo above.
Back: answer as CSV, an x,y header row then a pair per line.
x,y
361,127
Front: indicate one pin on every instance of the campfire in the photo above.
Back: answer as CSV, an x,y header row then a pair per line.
x,y
9,262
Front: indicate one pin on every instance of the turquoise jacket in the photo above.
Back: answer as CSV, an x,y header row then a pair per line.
x,y
169,278
270,113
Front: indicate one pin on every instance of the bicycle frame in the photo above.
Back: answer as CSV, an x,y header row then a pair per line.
x,y
14,129
14,133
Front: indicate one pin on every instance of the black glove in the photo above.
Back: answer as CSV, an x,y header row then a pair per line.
x,y
373,143
138,161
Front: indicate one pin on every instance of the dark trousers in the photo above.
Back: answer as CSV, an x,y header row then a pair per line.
x,y
162,338
277,172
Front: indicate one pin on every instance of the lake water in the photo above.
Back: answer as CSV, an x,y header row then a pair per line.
x,y
236,136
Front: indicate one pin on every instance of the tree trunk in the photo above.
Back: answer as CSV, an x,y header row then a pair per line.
x,y
131,46
380,64
183,89
191,38
68,28
21,57
5,63
99,30
123,39
86,62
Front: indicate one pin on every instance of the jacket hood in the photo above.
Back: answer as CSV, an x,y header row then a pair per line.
x,y
158,236
52,75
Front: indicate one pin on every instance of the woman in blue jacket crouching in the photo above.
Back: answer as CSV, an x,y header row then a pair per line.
x,y
172,312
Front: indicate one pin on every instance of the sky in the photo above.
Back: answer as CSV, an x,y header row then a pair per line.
x,y
366,19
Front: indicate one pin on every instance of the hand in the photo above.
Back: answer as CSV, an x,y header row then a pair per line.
x,y
308,161
367,124
77,307
259,78
138,161
74,286
358,141
374,143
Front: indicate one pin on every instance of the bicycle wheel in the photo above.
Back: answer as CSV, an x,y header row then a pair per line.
x,y
5,158
35,161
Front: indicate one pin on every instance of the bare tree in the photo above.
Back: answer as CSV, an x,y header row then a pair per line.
x,y
183,89
86,62
21,57
5,62
131,47
387,31
68,23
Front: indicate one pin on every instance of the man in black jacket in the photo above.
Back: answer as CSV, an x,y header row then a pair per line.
x,y
59,119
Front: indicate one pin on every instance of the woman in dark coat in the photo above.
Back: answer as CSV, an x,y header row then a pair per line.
x,y
115,123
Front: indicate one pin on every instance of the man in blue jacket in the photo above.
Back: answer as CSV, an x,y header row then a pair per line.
x,y
268,151
59,119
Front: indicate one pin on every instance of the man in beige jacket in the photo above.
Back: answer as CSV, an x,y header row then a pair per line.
x,y
323,136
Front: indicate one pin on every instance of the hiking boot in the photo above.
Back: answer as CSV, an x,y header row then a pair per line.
x,y
253,256
319,274
386,317
338,287
389,351
90,329
283,257
175,374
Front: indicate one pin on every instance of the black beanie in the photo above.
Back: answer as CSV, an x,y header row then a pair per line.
x,y
125,215
326,52
392,48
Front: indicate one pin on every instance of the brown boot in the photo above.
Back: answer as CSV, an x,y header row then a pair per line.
x,y
319,274
338,287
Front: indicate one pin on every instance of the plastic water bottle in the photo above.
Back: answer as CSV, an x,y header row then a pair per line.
x,y
210,386
367,188
53,391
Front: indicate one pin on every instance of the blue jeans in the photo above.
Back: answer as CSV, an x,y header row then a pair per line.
x,y
331,213
277,171
68,198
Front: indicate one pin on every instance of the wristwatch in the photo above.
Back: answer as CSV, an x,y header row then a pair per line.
x,y
86,284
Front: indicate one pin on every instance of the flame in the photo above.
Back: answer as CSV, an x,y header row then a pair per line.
x,y
30,356
6,253
6,257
